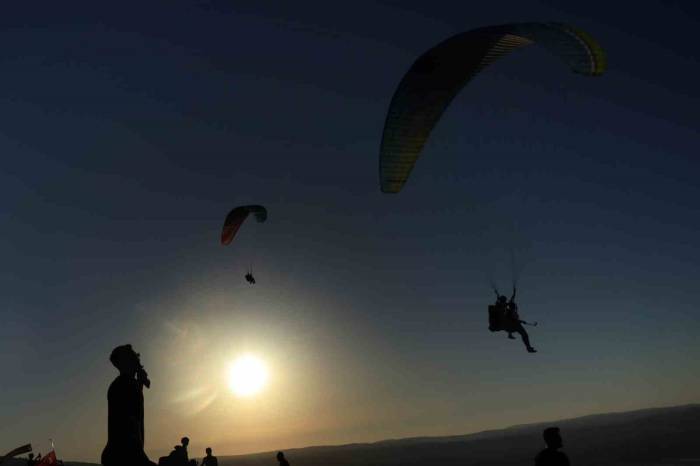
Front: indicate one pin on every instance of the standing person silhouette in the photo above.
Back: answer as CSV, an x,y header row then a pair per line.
x,y
281,459
179,455
125,430
209,460
550,456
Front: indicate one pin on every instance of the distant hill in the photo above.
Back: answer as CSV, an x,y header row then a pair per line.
x,y
649,437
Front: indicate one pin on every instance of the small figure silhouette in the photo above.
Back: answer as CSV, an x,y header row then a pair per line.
x,y
281,459
550,456
30,460
250,278
125,431
210,460
503,315
178,457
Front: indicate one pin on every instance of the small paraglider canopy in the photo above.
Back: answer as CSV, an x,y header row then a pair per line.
x,y
438,75
235,219
233,223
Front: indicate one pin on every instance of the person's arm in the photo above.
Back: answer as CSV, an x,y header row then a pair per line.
x,y
512,298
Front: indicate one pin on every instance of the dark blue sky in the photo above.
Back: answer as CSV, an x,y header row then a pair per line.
x,y
128,131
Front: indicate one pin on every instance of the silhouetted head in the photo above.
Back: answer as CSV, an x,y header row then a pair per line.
x,y
502,299
185,441
208,450
280,456
552,437
31,456
125,359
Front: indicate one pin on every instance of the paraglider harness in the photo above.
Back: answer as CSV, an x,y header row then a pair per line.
x,y
496,316
503,315
249,276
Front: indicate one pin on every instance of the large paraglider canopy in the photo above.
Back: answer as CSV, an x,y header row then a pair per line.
x,y
438,75
236,217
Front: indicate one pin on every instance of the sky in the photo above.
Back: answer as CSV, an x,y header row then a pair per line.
x,y
129,130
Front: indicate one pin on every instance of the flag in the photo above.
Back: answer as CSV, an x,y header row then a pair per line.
x,y
48,460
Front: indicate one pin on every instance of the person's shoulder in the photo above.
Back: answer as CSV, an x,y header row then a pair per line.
x,y
116,385
552,457
540,455
547,457
122,383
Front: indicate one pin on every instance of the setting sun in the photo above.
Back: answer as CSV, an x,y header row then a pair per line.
x,y
247,375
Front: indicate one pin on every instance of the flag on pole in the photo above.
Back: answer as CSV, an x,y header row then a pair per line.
x,y
49,459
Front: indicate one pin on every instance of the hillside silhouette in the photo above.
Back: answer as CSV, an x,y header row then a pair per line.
x,y
649,437
659,436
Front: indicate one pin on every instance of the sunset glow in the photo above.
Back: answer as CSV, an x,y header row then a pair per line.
x,y
247,376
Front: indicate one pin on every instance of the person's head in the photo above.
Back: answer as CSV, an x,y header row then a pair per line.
x,y
31,456
208,450
280,456
185,441
552,437
125,359
502,299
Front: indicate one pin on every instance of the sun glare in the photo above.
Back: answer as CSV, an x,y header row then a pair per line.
x,y
247,375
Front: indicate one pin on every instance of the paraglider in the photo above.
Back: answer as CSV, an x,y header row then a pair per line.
x,y
438,75
503,315
250,278
233,223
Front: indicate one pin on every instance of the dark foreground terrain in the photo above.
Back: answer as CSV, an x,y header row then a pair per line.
x,y
650,437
